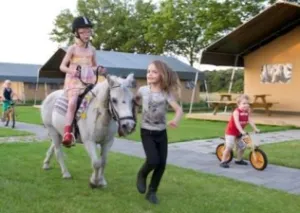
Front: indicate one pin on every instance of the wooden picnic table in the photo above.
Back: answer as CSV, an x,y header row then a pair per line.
x,y
217,104
225,95
261,96
254,104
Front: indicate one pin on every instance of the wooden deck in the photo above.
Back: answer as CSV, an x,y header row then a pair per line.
x,y
259,118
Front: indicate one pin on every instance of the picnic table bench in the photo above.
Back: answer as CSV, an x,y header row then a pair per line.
x,y
255,104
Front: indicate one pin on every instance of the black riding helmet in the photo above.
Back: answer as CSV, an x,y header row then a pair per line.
x,y
81,22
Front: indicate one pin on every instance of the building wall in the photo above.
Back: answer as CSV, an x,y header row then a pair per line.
x,y
285,49
27,90
42,90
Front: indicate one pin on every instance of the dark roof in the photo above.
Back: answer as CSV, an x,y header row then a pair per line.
x,y
271,23
121,64
21,72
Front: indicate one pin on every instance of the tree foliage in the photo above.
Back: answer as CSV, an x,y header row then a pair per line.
x,y
218,81
180,27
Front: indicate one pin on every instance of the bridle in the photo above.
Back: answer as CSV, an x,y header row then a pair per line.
x,y
111,109
113,112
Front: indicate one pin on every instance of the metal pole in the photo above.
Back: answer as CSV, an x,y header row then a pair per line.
x,y
36,87
232,77
206,92
193,93
195,84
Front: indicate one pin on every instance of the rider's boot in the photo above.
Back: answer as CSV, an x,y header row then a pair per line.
x,y
68,137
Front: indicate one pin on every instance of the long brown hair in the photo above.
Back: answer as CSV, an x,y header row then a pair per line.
x,y
170,82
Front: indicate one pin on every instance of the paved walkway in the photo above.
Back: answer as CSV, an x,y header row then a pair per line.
x,y
208,146
197,158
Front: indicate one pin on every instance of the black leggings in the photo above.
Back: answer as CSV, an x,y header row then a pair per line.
x,y
155,145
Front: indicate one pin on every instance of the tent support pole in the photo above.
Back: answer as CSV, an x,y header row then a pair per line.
x,y
195,83
232,77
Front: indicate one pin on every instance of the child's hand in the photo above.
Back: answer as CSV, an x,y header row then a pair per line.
x,y
173,124
243,133
76,73
101,70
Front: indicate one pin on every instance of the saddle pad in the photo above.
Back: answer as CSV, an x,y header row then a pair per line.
x,y
61,106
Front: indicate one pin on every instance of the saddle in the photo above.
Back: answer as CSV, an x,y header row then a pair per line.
x,y
61,106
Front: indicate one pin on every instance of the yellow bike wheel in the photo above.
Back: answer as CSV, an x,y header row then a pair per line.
x,y
258,159
219,153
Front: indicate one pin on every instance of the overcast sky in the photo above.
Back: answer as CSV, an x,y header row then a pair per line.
x,y
24,36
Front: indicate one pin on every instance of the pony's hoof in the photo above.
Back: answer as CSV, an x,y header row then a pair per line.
x,y
102,183
92,185
67,176
13,127
46,167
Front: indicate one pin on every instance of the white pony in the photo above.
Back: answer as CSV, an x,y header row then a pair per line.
x,y
111,109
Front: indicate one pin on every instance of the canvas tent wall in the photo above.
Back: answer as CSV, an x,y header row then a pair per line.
x,y
272,23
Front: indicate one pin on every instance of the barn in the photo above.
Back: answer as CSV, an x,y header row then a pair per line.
x,y
122,64
24,78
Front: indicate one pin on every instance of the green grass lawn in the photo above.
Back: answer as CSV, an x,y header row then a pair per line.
x,y
283,154
28,114
8,132
26,188
188,130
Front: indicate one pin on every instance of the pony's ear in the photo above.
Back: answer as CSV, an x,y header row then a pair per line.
x,y
110,80
130,80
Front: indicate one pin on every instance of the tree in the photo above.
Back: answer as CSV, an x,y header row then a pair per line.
x,y
137,26
63,25
181,27
218,81
109,17
185,26
118,25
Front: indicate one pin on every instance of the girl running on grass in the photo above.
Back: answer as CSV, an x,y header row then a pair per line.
x,y
163,84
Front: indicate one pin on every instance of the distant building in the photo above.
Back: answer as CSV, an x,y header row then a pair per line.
x,y
121,64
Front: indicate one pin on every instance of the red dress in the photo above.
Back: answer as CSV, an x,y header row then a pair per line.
x,y
231,128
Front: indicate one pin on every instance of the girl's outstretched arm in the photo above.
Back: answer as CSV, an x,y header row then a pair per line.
x,y
178,113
